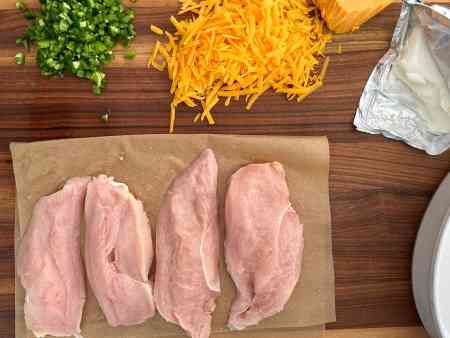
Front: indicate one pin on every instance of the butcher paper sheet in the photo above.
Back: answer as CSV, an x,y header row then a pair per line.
x,y
147,163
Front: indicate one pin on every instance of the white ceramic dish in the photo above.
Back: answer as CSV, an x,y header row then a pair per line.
x,y
440,302
431,265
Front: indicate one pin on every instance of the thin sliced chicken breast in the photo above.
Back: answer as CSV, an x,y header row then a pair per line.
x,y
263,243
118,252
187,279
49,263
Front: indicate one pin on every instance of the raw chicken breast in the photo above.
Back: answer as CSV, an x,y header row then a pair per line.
x,y
263,243
49,263
118,252
187,248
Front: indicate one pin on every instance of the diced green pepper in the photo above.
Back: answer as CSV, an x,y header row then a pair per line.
x,y
130,55
20,58
77,36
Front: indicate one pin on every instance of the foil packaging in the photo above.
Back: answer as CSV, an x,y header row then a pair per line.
x,y
392,107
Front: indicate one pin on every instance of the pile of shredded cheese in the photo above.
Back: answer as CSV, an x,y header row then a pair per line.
x,y
232,48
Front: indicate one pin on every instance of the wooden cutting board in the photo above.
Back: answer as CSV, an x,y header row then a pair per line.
x,y
379,188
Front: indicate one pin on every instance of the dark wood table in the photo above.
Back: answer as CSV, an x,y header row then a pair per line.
x,y
379,188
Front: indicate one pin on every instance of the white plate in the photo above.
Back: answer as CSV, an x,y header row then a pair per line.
x,y
440,302
431,265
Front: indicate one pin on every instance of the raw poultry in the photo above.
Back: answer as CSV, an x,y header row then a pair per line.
x,y
118,252
49,263
263,243
187,278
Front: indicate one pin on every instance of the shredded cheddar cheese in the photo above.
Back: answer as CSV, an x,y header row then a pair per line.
x,y
228,49
156,30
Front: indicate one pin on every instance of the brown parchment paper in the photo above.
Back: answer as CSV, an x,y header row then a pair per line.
x,y
147,163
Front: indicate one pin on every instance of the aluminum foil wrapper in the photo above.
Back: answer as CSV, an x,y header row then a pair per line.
x,y
388,105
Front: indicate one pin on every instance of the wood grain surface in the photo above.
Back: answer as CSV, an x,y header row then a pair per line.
x,y
393,332
379,188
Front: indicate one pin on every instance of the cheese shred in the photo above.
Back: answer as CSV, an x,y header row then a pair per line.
x,y
224,49
156,30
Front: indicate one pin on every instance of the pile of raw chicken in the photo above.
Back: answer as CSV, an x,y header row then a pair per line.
x,y
263,251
